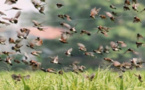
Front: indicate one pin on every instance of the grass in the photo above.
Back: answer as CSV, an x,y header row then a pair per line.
x,y
103,80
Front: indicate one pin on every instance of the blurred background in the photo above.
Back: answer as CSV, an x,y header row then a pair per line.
x,y
123,29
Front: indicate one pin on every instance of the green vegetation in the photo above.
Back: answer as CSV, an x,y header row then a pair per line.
x,y
103,80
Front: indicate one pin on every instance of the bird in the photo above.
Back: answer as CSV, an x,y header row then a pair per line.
x,y
81,47
69,52
55,60
14,19
94,12
59,5
36,53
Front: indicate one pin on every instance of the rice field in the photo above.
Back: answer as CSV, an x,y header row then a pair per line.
x,y
103,80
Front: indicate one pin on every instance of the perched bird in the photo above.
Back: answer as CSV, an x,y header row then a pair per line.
x,y
94,12
14,19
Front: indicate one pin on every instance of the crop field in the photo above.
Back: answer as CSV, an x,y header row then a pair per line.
x,y
102,80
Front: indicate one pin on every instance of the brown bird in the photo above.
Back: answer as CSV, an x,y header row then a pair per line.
x,y
94,12
17,47
36,24
41,10
36,53
116,64
64,37
14,19
67,17
2,13
14,8
126,8
112,6
99,50
91,77
3,22
34,64
127,2
139,44
108,59
73,29
7,53
136,19
131,50
122,43
112,18
61,16
102,16
12,41
69,52
31,45
59,5
55,60
66,25
2,40
135,7
16,77
81,47
114,46
9,2
139,77
8,60
50,70
38,41
106,49
85,32
17,61
139,36
89,54
25,30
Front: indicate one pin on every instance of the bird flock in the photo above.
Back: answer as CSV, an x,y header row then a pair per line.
x,y
69,31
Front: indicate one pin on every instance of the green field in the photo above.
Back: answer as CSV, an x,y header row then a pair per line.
x,y
103,80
